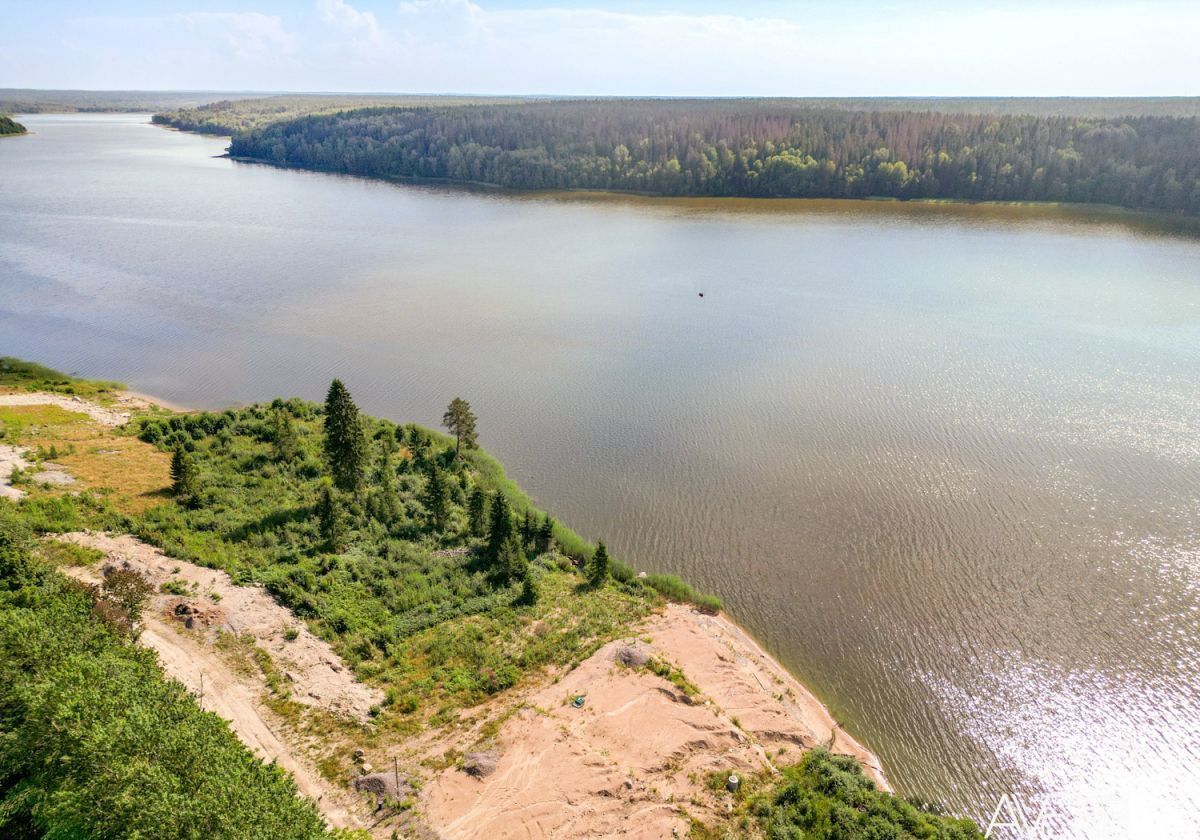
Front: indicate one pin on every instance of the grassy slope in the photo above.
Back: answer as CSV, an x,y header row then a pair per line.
x,y
95,743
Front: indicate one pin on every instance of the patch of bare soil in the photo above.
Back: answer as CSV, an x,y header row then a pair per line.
x,y
316,674
104,415
633,757
11,458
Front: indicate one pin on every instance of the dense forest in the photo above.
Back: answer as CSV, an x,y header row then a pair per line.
x,y
754,148
233,116
35,101
238,114
10,126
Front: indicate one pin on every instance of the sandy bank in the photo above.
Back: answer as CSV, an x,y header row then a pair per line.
x,y
635,759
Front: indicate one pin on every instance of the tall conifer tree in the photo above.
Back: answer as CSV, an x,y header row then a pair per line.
x,y
345,439
460,420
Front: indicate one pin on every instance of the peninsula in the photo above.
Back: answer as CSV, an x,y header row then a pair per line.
x,y
379,612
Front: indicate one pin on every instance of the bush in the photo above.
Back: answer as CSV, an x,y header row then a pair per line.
x,y
827,797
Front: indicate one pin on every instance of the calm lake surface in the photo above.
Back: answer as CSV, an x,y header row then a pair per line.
x,y
944,462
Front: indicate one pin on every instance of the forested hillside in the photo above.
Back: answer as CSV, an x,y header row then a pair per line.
x,y
237,114
10,126
726,148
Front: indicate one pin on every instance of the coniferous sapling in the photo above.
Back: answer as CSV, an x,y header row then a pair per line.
x,y
504,551
345,439
185,477
599,567
285,440
331,518
477,512
437,498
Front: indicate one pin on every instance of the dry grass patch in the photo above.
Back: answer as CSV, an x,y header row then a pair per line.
x,y
136,474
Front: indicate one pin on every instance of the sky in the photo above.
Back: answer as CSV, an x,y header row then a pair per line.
x,y
593,47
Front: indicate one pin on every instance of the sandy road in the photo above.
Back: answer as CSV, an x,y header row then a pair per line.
x,y
235,698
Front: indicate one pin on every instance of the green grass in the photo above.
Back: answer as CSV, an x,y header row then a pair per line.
x,y
675,589
17,421
18,374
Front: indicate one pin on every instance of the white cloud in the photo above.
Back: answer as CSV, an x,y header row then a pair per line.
x,y
1061,47
347,17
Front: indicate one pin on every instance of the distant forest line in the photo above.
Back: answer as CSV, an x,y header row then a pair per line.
x,y
753,148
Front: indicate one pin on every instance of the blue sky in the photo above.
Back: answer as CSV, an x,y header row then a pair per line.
x,y
702,47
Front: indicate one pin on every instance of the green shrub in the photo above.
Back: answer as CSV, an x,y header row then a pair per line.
x,y
827,797
51,514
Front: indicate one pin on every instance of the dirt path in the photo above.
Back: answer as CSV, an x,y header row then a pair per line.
x,y
236,699
187,654
316,674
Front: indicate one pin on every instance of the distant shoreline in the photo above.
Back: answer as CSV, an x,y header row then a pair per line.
x,y
1150,220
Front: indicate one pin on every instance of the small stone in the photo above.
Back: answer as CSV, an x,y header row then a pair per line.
x,y
633,656
481,764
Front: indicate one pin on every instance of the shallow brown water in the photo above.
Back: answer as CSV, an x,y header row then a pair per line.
x,y
943,461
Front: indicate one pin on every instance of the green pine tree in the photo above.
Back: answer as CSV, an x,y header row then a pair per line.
x,y
345,439
285,440
600,566
460,420
504,553
545,538
529,590
477,509
332,519
528,529
185,477
436,498
384,502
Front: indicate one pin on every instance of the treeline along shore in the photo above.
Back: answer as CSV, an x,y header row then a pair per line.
x,y
1128,153
484,627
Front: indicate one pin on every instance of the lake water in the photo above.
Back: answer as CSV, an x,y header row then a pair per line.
x,y
943,461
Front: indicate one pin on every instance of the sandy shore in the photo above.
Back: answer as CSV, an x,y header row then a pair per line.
x,y
635,759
